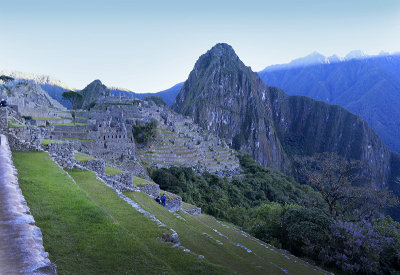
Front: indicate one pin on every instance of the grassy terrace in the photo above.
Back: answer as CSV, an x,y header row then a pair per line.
x,y
137,180
48,141
82,140
265,259
83,157
188,206
70,124
11,125
88,229
47,118
113,171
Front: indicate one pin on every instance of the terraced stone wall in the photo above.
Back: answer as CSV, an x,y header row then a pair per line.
x,y
3,118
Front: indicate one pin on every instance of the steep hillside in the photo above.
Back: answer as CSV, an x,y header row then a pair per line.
x,y
88,228
93,92
368,87
30,99
226,97
49,84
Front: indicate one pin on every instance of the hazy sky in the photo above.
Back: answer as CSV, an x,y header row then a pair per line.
x,y
152,45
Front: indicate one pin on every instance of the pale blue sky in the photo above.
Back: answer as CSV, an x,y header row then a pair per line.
x,y
152,45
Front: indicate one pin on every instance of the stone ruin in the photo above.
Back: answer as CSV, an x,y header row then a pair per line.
x,y
106,132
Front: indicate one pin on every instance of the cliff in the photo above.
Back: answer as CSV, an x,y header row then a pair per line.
x,y
226,97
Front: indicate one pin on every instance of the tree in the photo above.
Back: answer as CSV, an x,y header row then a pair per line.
x,y
6,78
76,100
347,195
74,97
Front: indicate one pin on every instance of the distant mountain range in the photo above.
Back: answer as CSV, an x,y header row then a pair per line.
x,y
55,88
365,85
168,95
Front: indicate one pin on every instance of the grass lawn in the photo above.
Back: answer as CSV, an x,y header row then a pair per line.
x,y
83,157
82,140
46,118
113,171
70,124
88,229
48,141
265,259
137,181
11,125
188,206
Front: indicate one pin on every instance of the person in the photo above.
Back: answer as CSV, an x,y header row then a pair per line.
x,y
158,200
163,199
3,103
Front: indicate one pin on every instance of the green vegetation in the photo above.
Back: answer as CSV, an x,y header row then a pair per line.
x,y
45,118
82,140
70,124
339,225
11,125
137,181
143,134
113,171
199,234
83,157
157,100
88,229
48,141
230,200
75,98
6,78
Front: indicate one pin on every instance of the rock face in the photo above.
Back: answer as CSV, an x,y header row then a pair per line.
x,y
29,99
226,97
93,92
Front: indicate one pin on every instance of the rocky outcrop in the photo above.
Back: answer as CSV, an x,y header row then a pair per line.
x,y
93,92
29,99
226,97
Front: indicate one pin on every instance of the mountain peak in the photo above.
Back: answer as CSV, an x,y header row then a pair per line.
x,y
95,82
92,92
221,49
356,54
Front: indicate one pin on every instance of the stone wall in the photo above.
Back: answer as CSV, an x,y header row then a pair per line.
x,y
193,211
96,165
122,182
173,204
30,134
62,153
20,145
3,119
150,189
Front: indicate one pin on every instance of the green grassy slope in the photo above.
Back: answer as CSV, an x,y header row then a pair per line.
x,y
200,235
88,229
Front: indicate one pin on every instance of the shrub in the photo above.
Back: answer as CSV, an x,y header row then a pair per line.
x,y
143,134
